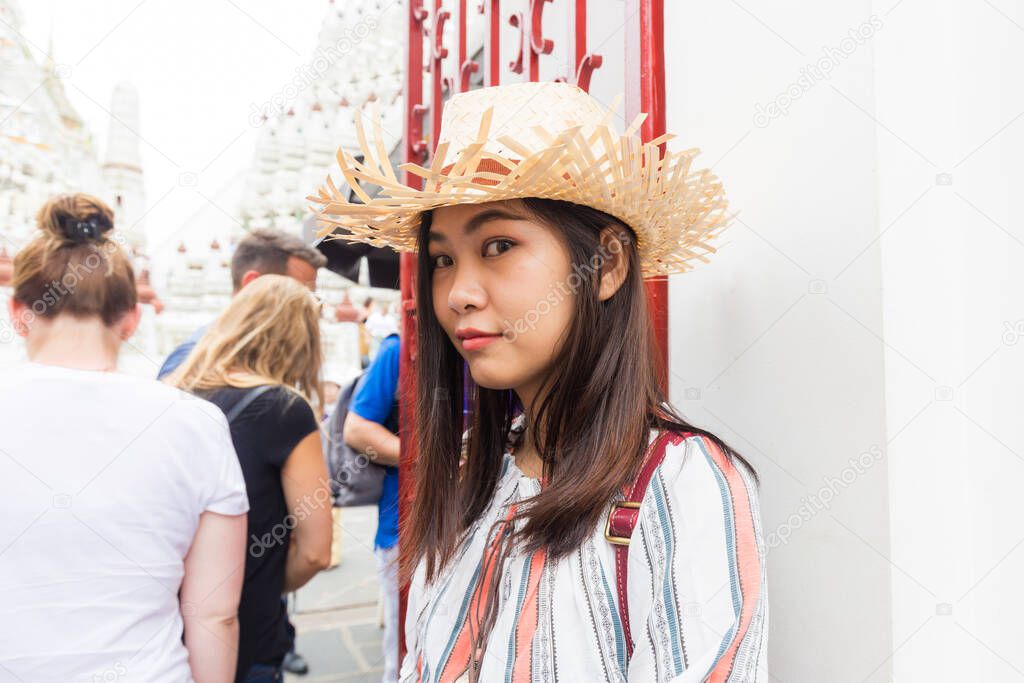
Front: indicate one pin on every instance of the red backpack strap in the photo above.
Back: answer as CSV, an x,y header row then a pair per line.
x,y
622,520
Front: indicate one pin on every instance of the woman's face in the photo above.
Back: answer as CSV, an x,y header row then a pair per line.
x,y
498,271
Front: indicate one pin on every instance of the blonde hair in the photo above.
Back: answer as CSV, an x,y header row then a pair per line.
x,y
71,266
269,334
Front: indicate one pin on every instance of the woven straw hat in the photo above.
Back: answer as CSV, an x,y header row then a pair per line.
x,y
548,140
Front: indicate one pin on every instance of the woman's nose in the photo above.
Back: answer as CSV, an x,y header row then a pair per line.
x,y
466,291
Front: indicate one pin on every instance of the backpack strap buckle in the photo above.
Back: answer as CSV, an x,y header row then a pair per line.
x,y
622,518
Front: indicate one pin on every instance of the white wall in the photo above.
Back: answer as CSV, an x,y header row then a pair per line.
x,y
949,165
776,343
868,300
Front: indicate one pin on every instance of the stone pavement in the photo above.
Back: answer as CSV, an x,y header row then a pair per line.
x,y
335,614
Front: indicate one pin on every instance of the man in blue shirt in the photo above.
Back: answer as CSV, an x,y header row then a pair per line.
x,y
261,252
375,405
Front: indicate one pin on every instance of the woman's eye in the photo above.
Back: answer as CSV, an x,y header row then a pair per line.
x,y
439,261
490,249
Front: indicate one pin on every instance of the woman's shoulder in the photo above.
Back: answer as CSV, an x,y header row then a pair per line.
x,y
269,395
278,394
132,397
698,462
275,407
285,404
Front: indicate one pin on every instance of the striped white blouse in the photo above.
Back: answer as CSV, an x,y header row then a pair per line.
x,y
697,604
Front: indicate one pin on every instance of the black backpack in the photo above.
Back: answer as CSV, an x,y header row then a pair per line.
x,y
355,478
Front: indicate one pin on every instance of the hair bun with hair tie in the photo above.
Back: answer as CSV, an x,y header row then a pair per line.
x,y
84,230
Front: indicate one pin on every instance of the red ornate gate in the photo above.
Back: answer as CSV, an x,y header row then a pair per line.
x,y
644,90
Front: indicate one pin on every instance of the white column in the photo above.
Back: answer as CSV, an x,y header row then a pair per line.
x,y
775,345
950,99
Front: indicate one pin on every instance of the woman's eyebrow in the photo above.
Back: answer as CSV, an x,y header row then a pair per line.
x,y
476,222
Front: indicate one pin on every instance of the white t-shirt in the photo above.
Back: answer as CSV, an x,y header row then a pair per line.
x,y
103,477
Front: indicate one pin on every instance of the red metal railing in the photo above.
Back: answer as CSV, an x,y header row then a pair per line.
x,y
644,91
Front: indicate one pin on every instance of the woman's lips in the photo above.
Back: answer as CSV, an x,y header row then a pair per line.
x,y
474,343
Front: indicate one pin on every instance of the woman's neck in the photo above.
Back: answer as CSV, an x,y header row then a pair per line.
x,y
527,458
529,464
81,344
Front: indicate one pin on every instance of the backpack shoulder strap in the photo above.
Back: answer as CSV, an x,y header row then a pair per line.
x,y
247,400
622,520
336,427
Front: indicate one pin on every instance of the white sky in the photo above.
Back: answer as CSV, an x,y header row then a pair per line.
x,y
199,66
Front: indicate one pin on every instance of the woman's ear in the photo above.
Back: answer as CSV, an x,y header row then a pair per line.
x,y
128,323
20,315
614,263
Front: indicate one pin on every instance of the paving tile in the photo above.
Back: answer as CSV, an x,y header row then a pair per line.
x,y
334,613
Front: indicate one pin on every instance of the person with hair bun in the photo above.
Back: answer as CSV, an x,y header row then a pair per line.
x,y
122,498
72,267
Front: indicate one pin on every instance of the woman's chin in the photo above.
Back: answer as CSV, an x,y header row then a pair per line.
x,y
490,378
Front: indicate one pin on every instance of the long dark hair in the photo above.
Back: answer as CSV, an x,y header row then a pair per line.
x,y
599,403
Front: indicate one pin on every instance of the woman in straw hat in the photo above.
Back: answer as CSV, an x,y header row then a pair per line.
x,y
580,526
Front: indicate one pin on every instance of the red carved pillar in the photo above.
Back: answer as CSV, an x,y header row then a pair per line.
x,y
415,149
645,92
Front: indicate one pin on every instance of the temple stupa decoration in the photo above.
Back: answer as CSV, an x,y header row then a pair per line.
x,y
122,166
358,58
345,312
45,147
